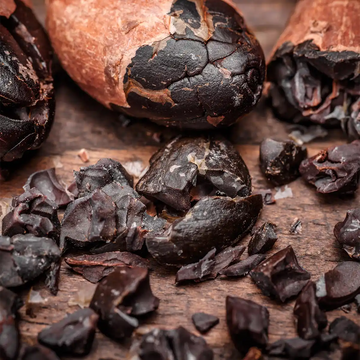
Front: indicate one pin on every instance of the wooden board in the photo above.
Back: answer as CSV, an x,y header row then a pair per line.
x,y
82,123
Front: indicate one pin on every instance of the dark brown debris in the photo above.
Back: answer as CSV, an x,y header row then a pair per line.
x,y
339,286
204,322
280,161
262,239
121,297
247,323
73,335
280,276
94,267
243,267
345,329
310,320
295,348
268,197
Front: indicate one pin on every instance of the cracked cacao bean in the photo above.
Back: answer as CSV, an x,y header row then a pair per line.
x,y
172,58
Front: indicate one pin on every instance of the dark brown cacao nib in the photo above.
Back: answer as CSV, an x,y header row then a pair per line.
x,y
47,183
310,320
243,267
280,276
213,222
339,286
335,169
25,257
174,88
94,267
112,218
280,160
247,323
32,213
204,322
263,239
308,84
27,102
72,335
267,195
104,172
197,271
177,344
345,329
10,303
53,276
347,233
295,348
120,298
37,352
185,163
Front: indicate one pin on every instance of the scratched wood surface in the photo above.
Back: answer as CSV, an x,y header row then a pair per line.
x,y
82,123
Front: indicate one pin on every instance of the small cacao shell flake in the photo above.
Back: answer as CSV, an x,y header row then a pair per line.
x,y
27,104
204,322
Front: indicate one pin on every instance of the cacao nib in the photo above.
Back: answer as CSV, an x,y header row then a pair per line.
x,y
10,303
73,335
247,323
339,286
204,322
185,163
243,267
309,318
27,104
47,183
197,271
177,344
295,348
347,233
280,276
334,170
25,257
32,213
213,222
345,329
263,239
37,352
104,172
97,266
267,195
280,160
120,298
53,276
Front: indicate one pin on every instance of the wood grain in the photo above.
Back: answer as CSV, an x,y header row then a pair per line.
x,y
82,123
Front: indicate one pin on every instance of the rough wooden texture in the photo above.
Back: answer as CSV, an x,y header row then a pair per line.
x,y
82,123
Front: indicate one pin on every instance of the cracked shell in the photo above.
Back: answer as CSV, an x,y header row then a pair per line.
x,y
190,64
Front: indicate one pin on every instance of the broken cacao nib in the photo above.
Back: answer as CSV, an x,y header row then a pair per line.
x,y
27,102
112,217
263,239
280,276
32,213
10,303
313,69
176,169
37,352
97,266
247,323
347,233
204,322
73,335
120,298
25,257
295,348
335,169
243,267
177,344
309,318
197,271
213,222
280,160
267,195
104,172
339,286
345,329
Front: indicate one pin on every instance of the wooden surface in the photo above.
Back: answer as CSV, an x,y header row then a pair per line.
x,y
82,123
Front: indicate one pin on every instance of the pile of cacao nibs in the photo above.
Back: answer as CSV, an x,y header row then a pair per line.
x,y
188,211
